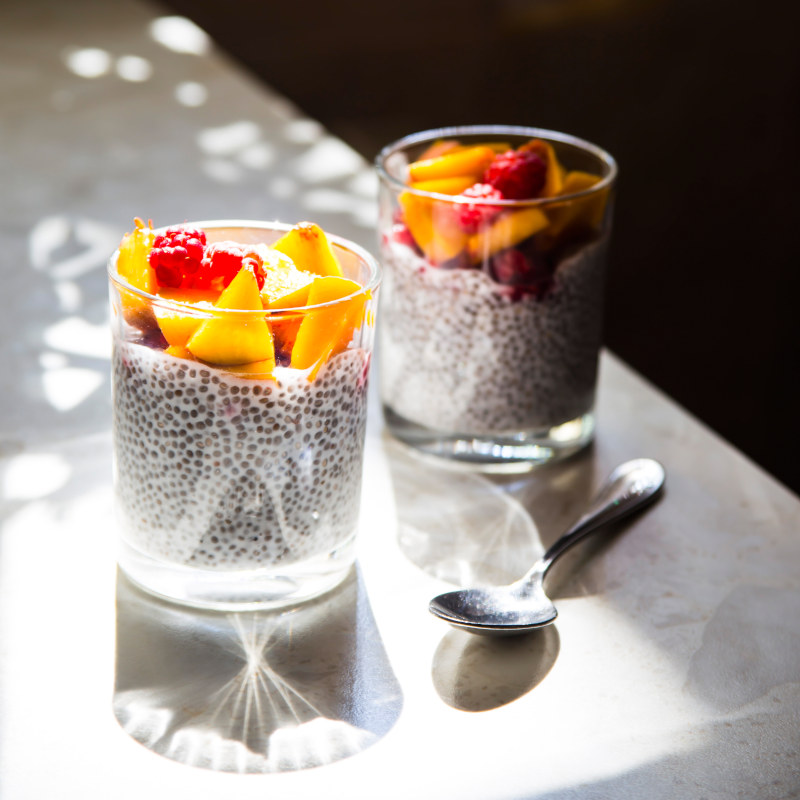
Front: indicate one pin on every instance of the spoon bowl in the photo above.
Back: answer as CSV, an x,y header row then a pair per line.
x,y
523,605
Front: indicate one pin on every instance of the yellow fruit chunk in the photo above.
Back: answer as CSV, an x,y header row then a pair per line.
x,y
308,247
507,230
132,263
442,147
327,330
554,178
230,339
178,324
133,266
179,352
445,185
582,212
470,162
285,287
433,225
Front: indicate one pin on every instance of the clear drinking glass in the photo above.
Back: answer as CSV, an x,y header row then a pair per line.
x,y
239,487
492,309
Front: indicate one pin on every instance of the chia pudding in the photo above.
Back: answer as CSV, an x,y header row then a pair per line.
x,y
461,353
493,241
228,473
239,378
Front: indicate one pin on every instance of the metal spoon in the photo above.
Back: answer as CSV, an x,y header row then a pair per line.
x,y
523,605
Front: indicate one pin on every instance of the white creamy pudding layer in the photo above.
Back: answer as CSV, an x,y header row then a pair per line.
x,y
461,354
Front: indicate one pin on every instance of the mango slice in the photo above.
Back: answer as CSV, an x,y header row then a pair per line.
x,y
133,266
308,247
470,162
507,230
178,324
445,185
235,339
328,330
132,263
433,226
285,287
179,352
582,213
554,178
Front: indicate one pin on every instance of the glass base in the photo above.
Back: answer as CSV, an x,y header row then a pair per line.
x,y
239,590
506,452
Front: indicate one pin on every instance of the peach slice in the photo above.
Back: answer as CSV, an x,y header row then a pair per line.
x,y
308,247
507,230
178,324
554,179
236,338
433,225
470,162
328,330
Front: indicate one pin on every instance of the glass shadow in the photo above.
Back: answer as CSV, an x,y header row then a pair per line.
x,y
468,527
253,692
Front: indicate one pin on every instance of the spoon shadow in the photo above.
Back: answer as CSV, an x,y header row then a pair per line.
x,y
253,692
478,673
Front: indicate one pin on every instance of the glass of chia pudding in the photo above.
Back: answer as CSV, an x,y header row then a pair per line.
x,y
493,243
241,352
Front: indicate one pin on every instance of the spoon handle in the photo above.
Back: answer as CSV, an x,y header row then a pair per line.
x,y
630,486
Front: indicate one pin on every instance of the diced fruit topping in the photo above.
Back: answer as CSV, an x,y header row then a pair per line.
x,y
308,247
235,339
471,161
205,290
327,330
473,216
466,235
285,286
518,174
176,256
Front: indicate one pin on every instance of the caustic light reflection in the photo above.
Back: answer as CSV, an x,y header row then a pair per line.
x,y
256,722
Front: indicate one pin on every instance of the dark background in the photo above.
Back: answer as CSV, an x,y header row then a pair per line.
x,y
697,100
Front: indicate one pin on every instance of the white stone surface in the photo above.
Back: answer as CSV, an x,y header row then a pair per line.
x,y
673,669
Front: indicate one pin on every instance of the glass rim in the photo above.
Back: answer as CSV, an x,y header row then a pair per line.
x,y
500,130
360,252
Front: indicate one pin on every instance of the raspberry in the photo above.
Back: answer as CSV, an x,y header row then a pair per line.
x,y
526,274
518,174
221,263
402,235
472,216
176,256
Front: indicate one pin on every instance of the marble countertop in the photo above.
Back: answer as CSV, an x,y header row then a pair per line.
x,y
673,669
